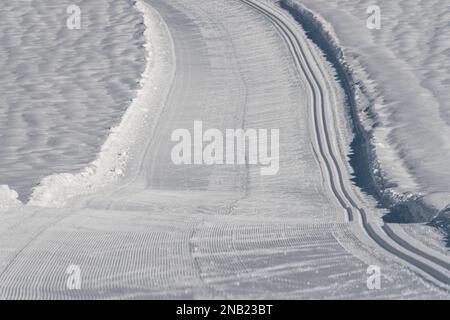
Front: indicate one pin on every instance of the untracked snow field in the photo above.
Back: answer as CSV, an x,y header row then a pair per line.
x,y
62,90
121,220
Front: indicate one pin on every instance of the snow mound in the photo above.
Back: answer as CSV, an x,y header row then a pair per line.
x,y
111,163
8,198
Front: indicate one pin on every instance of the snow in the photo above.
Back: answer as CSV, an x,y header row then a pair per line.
x,y
62,90
404,70
123,141
138,226
8,199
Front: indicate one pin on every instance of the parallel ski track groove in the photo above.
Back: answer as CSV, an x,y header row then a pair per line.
x,y
299,56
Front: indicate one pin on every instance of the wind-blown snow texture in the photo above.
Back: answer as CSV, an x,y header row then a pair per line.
x,y
404,68
62,90
129,135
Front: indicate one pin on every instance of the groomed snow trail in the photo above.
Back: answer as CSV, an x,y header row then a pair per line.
x,y
435,267
167,231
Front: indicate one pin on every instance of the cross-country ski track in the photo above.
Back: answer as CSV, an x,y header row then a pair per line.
x,y
198,231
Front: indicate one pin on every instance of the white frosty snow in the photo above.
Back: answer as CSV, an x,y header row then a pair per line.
x,y
204,232
62,90
123,142
404,67
8,198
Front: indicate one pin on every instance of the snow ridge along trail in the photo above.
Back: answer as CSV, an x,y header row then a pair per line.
x,y
429,264
62,89
121,144
167,231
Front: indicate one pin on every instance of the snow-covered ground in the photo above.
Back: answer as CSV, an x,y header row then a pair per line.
x,y
62,90
216,231
404,68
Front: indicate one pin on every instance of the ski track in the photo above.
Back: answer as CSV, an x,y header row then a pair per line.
x,y
234,260
405,125
219,232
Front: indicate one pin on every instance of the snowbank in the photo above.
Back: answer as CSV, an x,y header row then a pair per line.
x,y
61,89
123,142
401,141
8,199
